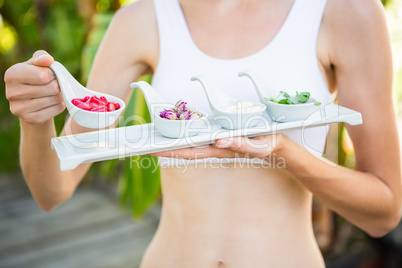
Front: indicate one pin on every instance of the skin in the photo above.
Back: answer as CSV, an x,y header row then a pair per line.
x,y
206,217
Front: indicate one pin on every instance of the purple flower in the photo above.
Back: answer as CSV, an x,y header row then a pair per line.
x,y
194,116
185,115
180,112
180,106
170,115
162,114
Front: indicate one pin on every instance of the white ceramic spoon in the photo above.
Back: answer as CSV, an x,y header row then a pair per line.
x,y
169,128
220,102
263,90
71,89
280,112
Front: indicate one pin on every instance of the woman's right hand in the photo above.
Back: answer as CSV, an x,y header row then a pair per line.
x,y
33,91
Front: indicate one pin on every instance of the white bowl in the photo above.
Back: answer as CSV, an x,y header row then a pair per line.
x,y
219,102
169,128
240,119
96,119
280,112
71,89
290,112
181,128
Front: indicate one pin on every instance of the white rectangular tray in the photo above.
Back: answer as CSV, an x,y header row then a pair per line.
x,y
143,139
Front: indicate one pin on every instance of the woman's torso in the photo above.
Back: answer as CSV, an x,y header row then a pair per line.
x,y
237,214
239,217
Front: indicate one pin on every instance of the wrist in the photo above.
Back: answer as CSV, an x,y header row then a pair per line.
x,y
289,153
37,126
281,145
296,158
276,157
37,133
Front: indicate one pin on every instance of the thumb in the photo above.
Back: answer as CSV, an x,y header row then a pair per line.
x,y
41,58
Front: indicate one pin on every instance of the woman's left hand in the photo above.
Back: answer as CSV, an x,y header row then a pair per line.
x,y
233,147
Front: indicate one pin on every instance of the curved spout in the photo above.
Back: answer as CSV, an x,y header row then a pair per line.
x,y
155,102
67,82
263,90
216,98
71,88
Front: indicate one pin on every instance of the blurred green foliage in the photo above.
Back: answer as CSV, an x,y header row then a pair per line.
x,y
27,26
71,32
385,2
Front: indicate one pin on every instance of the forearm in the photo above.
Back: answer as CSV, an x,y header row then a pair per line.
x,y
361,197
40,165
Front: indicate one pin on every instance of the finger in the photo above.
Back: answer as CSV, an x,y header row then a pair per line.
x,y
34,105
23,73
41,58
223,143
235,143
44,114
257,147
25,92
45,102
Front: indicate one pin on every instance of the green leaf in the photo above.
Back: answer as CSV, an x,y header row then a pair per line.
x,y
286,94
289,101
177,103
317,103
306,94
283,101
302,97
273,100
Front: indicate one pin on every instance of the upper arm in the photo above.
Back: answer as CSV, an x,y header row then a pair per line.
x,y
361,57
128,50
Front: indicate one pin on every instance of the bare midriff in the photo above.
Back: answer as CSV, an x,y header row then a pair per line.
x,y
233,216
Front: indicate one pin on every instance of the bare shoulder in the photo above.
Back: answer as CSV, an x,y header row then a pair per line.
x,y
140,12
354,8
353,25
136,22
349,16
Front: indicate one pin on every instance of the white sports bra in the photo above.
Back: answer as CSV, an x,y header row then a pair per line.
x,y
289,62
